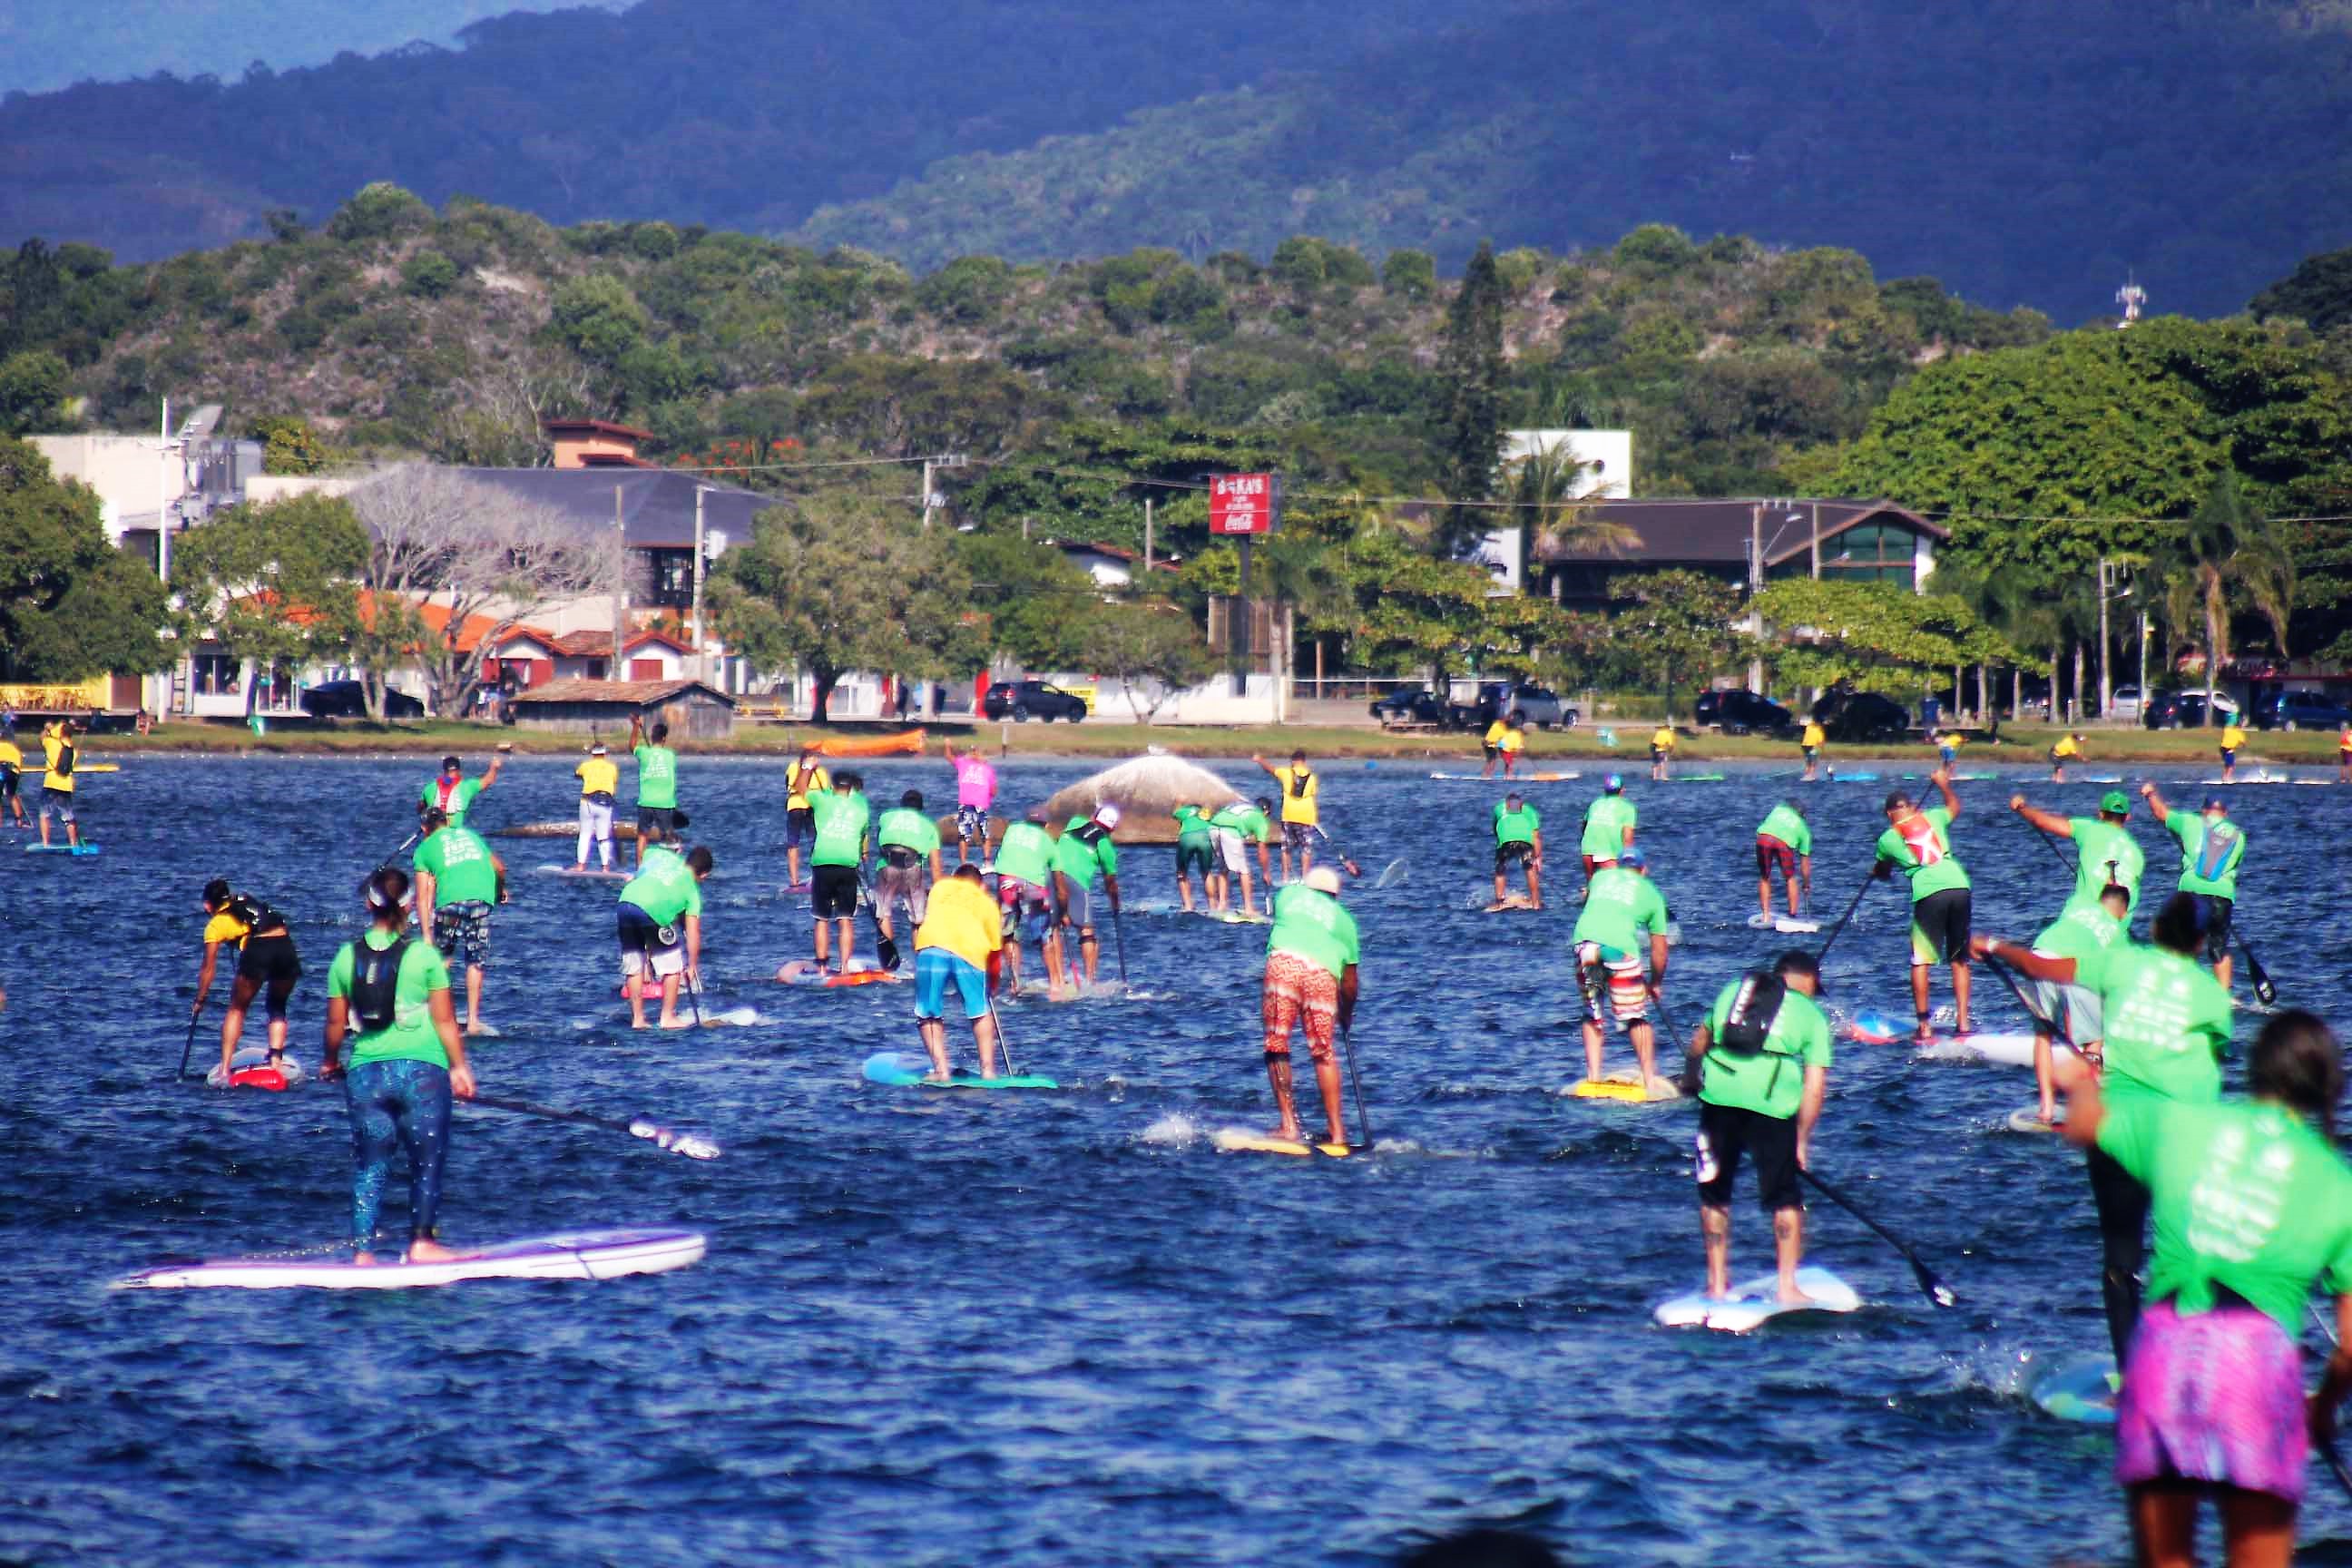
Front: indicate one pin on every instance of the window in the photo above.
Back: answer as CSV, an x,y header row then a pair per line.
x,y
1869,553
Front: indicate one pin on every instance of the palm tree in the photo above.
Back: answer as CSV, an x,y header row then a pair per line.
x,y
2226,542
1548,487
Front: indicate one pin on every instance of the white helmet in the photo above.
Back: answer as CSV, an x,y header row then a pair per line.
x,y
1106,813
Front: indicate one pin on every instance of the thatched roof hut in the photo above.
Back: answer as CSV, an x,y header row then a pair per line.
x,y
1147,791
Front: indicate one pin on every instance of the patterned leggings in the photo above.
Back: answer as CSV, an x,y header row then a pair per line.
x,y
398,1103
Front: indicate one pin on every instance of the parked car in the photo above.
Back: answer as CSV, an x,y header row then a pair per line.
x,y
2301,710
1025,700
1739,713
1544,709
2123,703
348,699
1863,716
2186,710
1411,703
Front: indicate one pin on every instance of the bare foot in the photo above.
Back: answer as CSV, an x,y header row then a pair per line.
x,y
364,1259
476,1029
424,1249
1792,1297
677,1022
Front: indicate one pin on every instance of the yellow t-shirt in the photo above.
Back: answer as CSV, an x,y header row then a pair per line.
x,y
1952,743
2232,737
1663,738
12,756
599,775
1300,786
226,927
1515,741
1495,732
2065,747
800,783
963,919
2344,739
1814,735
52,752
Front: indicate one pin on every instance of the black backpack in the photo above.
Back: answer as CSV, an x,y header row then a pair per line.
x,y
376,984
256,915
1754,1007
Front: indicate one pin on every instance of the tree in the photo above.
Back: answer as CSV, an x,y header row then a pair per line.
x,y
2226,543
1548,485
836,582
32,392
278,583
1525,637
1145,644
1677,626
2318,293
1407,611
288,445
1879,637
1470,368
474,554
71,605
1034,597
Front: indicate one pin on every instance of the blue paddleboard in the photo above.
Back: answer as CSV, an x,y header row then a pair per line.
x,y
62,848
904,1069
2081,1390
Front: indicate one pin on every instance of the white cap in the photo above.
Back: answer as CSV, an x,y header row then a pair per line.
x,y
1106,813
1323,879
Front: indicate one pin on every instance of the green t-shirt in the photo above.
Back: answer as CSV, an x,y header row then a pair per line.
x,y
2106,853
1244,819
656,777
2245,1195
1769,1083
2166,1021
412,1037
910,829
1921,847
1618,907
1605,822
1026,854
1518,827
663,887
1192,826
1314,926
2083,932
1791,829
459,860
841,822
1080,861
2210,852
457,803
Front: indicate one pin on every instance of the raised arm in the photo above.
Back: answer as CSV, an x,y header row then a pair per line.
x,y
2048,821
1942,779
2155,801
490,775
2023,959
1262,762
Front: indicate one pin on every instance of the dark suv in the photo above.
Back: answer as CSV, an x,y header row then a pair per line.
x,y
2186,711
1026,700
2301,710
1409,704
1863,716
1737,712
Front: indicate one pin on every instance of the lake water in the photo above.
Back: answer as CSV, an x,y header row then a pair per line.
x,y
1048,1328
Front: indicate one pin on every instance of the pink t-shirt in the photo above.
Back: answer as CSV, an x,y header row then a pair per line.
x,y
975,782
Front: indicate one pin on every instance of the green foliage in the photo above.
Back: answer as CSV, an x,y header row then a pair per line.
x,y
1409,274
276,583
967,290
2318,293
1877,636
429,273
1470,437
1145,645
380,211
71,605
1033,594
32,392
597,318
1674,629
288,445
1406,611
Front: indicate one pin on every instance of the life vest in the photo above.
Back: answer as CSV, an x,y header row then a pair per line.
x,y
376,984
1297,783
1919,835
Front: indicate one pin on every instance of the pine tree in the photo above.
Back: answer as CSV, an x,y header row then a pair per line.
x,y
1470,370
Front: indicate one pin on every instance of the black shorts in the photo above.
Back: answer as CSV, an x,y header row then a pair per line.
x,y
661,817
8,783
272,966
2214,910
833,890
1724,1132
1512,854
1939,927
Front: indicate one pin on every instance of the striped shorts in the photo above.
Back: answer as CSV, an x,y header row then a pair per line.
x,y
1612,983
1300,991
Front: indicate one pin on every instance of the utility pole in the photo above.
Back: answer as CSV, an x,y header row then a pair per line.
x,y
929,498
925,502
701,661
2106,686
1756,586
1147,533
620,583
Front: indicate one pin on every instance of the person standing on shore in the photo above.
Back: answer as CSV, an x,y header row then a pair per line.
x,y
58,753
656,779
1231,828
906,847
2252,1206
2212,849
1312,953
1084,852
1784,841
1609,824
452,793
600,782
1518,840
975,797
1024,889
1302,789
805,778
2104,850
390,996
1919,844
458,882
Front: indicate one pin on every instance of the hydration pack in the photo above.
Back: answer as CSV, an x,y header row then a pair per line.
x,y
1297,782
1092,833
376,984
65,759
254,914
2220,840
1754,1007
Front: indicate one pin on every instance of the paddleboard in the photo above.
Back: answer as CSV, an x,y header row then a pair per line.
x,y
588,875
2104,779
1236,918
1974,778
1991,1050
1854,778
1513,904
1234,1140
905,1069
2028,1119
1500,779
1697,778
2081,1390
62,848
81,768
1760,921
1872,1028
572,1255
1627,1089
2241,783
805,971
1756,1302
1795,925
250,1068
2312,783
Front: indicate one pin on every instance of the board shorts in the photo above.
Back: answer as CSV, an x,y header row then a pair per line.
x,y
2228,756
971,825
1028,912
1725,1132
1658,754
833,891
1232,853
1515,853
58,800
647,945
892,883
463,929
1811,752
1939,927
8,781
800,827
1078,904
2214,1397
1771,854
1611,983
2075,1010
1492,752
662,817
272,966
1192,855
1299,990
1298,836
2213,913
934,968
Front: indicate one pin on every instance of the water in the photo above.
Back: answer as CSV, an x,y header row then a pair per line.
x,y
1042,1329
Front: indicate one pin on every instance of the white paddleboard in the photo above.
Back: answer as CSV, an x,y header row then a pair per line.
x,y
2028,1119
570,1255
1756,1302
1990,1050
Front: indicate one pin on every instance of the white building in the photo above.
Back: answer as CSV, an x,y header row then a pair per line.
x,y
1604,461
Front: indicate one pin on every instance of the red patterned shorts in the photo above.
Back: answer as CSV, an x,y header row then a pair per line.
x,y
1296,989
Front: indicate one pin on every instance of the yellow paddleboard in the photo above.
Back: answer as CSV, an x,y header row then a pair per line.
x,y
81,768
1624,1089
1229,1142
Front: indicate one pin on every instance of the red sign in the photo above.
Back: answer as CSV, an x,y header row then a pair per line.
x,y
1244,503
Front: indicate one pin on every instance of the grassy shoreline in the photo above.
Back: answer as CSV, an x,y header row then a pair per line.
x,y
2019,744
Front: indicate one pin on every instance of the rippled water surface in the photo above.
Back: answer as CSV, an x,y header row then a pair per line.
x,y
1045,1328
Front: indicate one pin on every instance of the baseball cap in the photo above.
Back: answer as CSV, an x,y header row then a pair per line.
x,y
2215,803
2116,801
1632,859
1613,782
597,749
1106,813
1323,879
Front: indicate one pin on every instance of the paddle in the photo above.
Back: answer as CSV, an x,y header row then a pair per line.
x,y
404,844
886,947
1336,848
189,1045
692,1146
1363,1117
1835,931
1119,933
2327,1450
1003,1046
2256,975
1935,1289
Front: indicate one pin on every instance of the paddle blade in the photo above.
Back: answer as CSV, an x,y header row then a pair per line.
x,y
2265,992
885,949
1933,1288
686,1143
